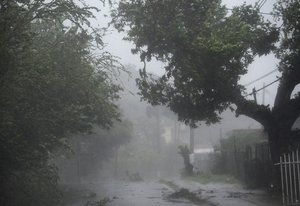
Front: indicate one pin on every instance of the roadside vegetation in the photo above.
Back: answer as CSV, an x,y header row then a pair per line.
x,y
55,83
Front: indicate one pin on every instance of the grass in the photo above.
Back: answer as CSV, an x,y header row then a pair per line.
x,y
212,178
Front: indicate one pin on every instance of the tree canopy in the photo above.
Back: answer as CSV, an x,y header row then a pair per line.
x,y
54,83
207,49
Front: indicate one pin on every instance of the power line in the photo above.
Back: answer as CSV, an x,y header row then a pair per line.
x,y
255,91
257,3
261,4
263,13
265,75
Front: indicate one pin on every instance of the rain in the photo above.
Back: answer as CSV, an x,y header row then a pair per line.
x,y
148,102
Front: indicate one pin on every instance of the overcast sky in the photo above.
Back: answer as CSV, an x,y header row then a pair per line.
x,y
260,67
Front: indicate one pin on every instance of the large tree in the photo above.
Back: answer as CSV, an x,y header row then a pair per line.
x,y
54,83
206,50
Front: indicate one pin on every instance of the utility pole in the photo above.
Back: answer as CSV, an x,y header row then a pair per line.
x,y
78,150
263,94
157,110
254,94
221,133
175,135
192,139
235,156
116,151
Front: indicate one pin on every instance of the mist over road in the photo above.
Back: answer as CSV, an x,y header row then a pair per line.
x,y
154,193
120,193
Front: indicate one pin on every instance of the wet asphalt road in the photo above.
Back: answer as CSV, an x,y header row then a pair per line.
x,y
154,193
150,193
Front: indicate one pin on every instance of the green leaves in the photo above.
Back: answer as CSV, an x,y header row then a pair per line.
x,y
205,48
55,82
288,13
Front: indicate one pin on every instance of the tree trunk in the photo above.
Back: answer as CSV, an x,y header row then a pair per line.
x,y
276,122
279,140
274,145
279,143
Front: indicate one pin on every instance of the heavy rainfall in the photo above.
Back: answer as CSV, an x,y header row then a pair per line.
x,y
149,102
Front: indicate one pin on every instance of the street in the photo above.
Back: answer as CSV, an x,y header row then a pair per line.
x,y
155,193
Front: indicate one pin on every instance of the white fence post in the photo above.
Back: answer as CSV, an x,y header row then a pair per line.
x,y
290,178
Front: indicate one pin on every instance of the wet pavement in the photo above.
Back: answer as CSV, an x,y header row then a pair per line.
x,y
230,194
121,193
150,193
155,193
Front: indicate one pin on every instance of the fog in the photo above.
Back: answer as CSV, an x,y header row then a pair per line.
x,y
78,131
144,166
152,152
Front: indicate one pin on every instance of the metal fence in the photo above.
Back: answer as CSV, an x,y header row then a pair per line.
x,y
290,178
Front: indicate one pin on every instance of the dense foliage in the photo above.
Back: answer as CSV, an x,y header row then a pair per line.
x,y
206,50
54,83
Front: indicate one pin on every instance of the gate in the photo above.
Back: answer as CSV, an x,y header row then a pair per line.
x,y
290,178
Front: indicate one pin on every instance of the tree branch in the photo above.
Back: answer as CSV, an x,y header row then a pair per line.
x,y
285,88
260,113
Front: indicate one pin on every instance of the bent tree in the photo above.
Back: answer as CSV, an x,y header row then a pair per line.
x,y
206,50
